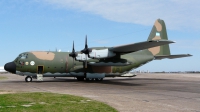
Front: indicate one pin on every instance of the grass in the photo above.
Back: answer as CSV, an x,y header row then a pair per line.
x,y
50,102
1,78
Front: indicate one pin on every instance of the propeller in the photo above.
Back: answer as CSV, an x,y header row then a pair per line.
x,y
73,54
86,51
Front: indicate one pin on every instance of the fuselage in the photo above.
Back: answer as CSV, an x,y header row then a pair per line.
x,y
61,64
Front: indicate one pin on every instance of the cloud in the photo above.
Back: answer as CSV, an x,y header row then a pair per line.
x,y
178,14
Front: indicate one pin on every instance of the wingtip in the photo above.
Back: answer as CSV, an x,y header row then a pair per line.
x,y
172,41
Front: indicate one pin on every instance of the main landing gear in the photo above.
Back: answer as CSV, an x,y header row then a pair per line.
x,y
98,79
80,78
28,79
88,79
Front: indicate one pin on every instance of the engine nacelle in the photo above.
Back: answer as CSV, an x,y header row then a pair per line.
x,y
82,57
103,53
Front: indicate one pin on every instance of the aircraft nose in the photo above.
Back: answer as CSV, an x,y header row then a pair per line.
x,y
10,67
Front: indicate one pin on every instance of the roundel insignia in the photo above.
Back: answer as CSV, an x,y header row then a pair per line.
x,y
32,63
26,63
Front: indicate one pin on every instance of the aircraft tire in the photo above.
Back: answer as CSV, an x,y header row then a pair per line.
x,y
89,79
28,79
98,79
80,78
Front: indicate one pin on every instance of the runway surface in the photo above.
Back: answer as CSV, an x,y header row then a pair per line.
x,y
143,93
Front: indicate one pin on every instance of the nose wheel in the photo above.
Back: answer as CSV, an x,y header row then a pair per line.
x,y
28,79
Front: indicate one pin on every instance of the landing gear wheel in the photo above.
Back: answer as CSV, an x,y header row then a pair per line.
x,y
98,79
89,79
28,79
80,78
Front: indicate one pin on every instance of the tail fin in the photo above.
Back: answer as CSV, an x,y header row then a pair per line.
x,y
159,32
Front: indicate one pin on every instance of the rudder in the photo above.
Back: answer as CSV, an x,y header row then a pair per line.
x,y
159,32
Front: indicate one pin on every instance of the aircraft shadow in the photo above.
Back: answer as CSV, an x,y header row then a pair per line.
x,y
121,82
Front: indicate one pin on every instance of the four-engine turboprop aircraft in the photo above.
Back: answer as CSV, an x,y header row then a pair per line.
x,y
94,63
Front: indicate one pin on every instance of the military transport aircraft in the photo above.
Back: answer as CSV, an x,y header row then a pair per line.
x,y
94,63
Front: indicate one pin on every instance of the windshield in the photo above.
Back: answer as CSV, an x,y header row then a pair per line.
x,y
23,56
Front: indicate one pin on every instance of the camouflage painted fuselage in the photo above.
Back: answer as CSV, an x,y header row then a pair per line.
x,y
60,63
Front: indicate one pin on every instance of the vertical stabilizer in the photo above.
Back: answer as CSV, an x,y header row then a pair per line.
x,y
159,32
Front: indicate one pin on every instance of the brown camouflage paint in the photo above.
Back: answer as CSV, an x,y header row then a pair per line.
x,y
158,26
155,50
44,55
102,69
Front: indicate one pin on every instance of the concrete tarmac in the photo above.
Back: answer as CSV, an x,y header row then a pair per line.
x,y
143,93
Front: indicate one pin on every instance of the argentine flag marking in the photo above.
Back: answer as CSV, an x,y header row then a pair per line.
x,y
157,34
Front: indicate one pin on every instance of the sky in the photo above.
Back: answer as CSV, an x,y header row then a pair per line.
x,y
43,25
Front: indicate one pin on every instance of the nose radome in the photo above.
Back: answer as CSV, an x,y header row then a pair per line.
x,y
10,67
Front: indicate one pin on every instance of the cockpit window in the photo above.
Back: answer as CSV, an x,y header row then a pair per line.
x,y
23,56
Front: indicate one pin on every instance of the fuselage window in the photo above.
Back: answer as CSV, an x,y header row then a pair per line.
x,y
21,63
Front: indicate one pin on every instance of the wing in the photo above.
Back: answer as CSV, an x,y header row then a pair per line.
x,y
172,56
114,51
139,46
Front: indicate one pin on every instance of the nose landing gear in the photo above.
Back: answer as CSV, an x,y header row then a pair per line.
x,y
28,79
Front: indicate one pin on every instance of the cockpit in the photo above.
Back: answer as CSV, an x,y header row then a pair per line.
x,y
21,59
23,56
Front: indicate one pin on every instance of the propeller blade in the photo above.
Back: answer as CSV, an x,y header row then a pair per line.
x,y
86,61
86,50
86,46
73,47
73,62
73,54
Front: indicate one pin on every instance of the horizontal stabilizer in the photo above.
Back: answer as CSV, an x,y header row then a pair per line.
x,y
172,56
139,46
